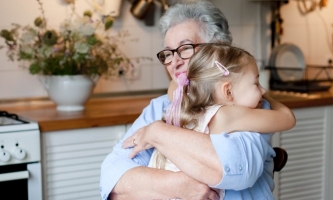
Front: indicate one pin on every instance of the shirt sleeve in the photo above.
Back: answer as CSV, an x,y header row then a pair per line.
x,y
265,104
242,155
117,162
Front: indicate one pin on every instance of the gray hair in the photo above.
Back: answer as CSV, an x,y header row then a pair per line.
x,y
214,25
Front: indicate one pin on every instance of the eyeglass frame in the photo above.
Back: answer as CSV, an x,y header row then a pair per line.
x,y
178,53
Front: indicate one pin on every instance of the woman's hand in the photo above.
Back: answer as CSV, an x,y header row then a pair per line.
x,y
138,141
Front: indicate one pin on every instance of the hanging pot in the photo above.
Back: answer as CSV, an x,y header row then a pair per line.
x,y
150,16
69,93
140,8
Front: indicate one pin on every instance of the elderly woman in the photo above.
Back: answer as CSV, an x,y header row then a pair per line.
x,y
240,162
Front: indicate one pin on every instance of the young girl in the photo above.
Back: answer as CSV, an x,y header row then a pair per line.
x,y
219,94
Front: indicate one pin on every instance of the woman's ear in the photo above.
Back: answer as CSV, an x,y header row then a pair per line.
x,y
226,91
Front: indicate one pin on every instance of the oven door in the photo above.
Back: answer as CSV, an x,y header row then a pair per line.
x,y
25,179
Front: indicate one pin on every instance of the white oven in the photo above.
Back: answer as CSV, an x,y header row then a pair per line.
x,y
20,166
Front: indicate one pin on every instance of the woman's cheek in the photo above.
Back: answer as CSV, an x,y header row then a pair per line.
x,y
171,73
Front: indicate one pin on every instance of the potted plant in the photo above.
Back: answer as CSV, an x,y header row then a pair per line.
x,y
80,51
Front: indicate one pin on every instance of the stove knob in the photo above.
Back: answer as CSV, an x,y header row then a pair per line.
x,y
19,153
4,156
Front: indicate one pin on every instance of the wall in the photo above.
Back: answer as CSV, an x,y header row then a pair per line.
x,y
312,33
16,83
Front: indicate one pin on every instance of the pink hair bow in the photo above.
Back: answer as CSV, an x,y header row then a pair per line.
x,y
173,111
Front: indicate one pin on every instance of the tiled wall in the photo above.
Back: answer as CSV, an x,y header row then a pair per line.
x,y
245,18
16,82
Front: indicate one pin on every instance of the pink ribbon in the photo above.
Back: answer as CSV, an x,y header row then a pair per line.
x,y
173,111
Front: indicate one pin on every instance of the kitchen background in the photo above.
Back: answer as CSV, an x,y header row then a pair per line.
x,y
73,145
249,22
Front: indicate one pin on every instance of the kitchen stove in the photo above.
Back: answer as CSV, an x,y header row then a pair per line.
x,y
20,156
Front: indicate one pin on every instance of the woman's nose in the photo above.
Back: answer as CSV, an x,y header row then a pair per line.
x,y
176,60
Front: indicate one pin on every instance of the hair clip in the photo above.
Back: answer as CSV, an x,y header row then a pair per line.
x,y
224,70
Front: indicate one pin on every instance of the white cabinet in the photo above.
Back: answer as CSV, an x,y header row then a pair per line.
x,y
72,159
307,174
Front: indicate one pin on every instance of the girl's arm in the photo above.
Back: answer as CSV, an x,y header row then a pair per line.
x,y
237,118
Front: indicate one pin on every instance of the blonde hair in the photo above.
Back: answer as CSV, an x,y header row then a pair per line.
x,y
204,76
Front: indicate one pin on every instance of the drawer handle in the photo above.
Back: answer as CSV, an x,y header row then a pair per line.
x,y
14,176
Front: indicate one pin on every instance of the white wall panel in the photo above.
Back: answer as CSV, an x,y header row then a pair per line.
x,y
72,160
305,175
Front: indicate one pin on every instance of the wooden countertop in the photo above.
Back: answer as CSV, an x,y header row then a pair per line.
x,y
107,111
303,100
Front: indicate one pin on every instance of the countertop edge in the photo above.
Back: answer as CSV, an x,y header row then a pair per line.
x,y
110,111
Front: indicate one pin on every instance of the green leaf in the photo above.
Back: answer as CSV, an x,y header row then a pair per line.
x,y
108,22
87,13
34,68
7,35
91,40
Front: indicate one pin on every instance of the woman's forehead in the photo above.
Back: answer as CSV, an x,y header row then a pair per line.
x,y
183,33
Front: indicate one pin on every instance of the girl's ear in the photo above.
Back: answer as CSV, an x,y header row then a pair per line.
x,y
226,91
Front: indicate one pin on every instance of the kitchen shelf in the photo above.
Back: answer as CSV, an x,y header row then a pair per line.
x,y
309,79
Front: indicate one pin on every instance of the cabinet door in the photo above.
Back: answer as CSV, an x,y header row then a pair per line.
x,y
308,146
72,160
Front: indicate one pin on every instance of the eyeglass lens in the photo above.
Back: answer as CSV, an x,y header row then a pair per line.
x,y
184,51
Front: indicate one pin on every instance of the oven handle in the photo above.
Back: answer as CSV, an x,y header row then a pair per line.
x,y
14,176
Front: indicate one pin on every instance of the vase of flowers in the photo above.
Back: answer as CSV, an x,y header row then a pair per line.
x,y
82,46
70,93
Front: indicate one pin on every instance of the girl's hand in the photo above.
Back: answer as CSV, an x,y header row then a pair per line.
x,y
138,141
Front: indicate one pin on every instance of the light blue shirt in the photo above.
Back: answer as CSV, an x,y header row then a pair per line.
x,y
246,157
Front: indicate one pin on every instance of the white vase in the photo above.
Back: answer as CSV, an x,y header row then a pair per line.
x,y
69,93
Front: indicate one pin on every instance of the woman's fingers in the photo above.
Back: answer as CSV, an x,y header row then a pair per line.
x,y
134,152
133,139
138,147
132,142
137,141
129,142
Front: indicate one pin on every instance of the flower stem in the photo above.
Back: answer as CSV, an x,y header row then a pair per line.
x,y
43,12
73,10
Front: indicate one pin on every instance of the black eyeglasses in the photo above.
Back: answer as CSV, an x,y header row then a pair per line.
x,y
184,51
